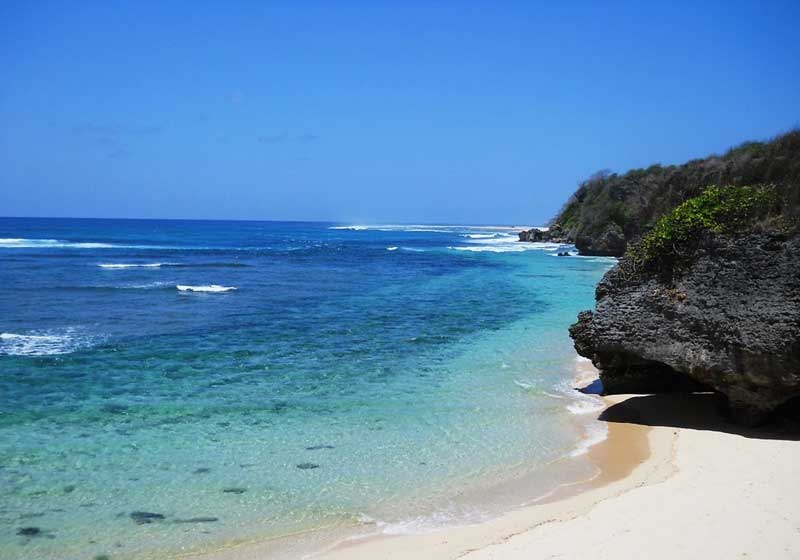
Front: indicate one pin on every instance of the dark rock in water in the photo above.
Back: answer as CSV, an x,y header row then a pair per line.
x,y
234,490
102,557
280,407
554,234
532,235
306,466
316,447
69,488
145,517
202,470
564,254
198,520
729,320
610,242
113,408
30,532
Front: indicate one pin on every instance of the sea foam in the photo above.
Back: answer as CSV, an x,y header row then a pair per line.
x,y
507,247
596,432
210,288
42,343
133,265
21,243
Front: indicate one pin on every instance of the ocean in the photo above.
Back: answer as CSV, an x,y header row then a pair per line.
x,y
183,386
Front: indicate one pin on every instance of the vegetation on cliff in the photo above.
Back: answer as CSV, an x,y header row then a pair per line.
x,y
729,211
707,294
609,211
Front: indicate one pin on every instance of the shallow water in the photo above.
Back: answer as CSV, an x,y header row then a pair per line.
x,y
304,375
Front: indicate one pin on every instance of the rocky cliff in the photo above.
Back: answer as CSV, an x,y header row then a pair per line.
x,y
609,211
709,300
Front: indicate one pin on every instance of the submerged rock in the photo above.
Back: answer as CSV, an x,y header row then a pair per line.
x,y
234,490
30,531
145,517
321,446
306,466
114,408
728,321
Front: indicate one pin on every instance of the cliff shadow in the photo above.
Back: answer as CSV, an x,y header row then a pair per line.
x,y
694,411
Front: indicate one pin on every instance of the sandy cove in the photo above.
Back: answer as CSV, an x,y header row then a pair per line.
x,y
678,482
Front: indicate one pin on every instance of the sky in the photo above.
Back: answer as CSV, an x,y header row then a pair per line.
x,y
373,112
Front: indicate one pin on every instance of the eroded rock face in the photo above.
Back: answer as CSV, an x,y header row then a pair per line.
x,y
552,235
610,243
729,321
532,235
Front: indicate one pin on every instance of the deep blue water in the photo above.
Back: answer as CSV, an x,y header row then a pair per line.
x,y
273,377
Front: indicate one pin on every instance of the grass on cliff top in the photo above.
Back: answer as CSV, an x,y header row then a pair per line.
x,y
636,200
724,210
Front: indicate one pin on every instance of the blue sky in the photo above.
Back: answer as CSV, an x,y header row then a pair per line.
x,y
458,112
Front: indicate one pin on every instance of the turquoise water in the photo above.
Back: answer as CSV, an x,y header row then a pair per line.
x,y
248,380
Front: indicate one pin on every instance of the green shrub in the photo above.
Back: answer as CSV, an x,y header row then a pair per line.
x,y
651,193
620,214
725,210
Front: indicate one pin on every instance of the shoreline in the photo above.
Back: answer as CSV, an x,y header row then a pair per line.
x,y
678,480
623,451
631,456
661,453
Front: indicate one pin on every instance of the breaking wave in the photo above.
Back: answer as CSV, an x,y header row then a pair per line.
x,y
43,343
209,288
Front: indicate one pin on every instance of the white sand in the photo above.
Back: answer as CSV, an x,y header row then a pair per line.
x,y
701,493
690,486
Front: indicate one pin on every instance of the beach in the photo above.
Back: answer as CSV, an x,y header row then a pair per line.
x,y
699,487
677,479
388,391
382,411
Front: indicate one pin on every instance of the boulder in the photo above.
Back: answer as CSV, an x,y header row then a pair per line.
x,y
729,320
610,242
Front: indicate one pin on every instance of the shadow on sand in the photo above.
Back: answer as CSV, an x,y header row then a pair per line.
x,y
694,411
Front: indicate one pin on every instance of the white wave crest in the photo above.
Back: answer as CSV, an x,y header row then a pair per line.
x,y
42,343
391,248
480,235
434,228
585,404
133,265
426,524
20,243
596,432
508,247
210,288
